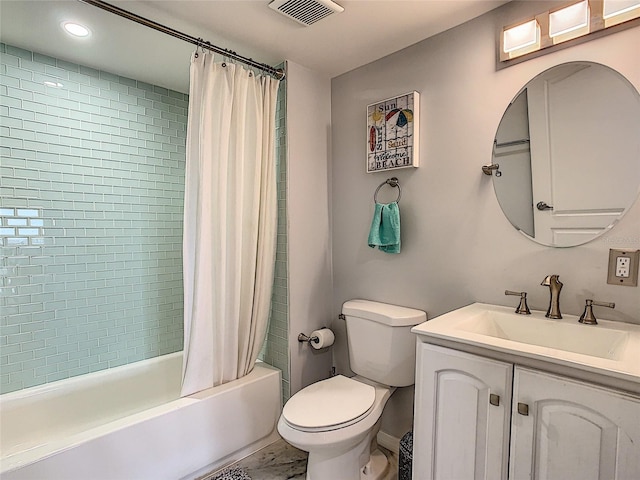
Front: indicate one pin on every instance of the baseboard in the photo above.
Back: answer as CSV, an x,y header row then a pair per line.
x,y
389,442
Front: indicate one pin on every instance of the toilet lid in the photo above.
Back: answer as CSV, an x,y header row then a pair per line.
x,y
329,403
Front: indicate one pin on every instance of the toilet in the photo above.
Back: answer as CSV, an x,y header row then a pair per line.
x,y
337,420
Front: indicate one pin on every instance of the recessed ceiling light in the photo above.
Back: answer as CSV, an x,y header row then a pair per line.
x,y
76,29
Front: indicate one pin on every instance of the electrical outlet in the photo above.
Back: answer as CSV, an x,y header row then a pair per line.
x,y
623,267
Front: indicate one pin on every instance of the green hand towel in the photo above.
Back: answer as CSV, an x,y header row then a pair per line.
x,y
385,228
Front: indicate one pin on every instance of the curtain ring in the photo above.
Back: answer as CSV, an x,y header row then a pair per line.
x,y
198,46
225,58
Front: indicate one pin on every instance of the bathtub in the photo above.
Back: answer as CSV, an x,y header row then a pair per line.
x,y
128,423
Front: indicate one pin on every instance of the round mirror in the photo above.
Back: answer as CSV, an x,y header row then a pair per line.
x,y
566,156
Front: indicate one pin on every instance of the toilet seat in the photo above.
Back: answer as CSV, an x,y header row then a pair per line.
x,y
329,405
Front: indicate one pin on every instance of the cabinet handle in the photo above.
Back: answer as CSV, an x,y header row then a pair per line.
x,y
523,409
494,399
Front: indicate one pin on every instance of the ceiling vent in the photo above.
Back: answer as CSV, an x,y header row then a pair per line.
x,y
306,12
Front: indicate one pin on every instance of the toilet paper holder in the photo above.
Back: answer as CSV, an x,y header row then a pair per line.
x,y
318,339
306,338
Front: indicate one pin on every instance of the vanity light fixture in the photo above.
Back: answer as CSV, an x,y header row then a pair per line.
x,y
614,8
76,29
619,11
521,36
569,19
573,20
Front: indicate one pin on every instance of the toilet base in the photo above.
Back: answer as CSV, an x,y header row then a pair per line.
x,y
377,467
336,463
365,461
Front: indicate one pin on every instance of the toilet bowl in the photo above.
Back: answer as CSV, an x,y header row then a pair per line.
x,y
336,421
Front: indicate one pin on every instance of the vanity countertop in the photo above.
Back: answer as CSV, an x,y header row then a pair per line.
x,y
607,353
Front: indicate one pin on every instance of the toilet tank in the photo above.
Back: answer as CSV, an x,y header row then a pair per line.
x,y
381,345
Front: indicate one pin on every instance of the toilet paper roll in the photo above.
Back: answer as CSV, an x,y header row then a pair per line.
x,y
325,338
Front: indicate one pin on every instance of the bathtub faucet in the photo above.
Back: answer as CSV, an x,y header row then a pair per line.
x,y
555,286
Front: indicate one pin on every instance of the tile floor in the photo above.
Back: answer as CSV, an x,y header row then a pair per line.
x,y
281,461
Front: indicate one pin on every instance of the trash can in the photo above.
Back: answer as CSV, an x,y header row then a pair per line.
x,y
406,457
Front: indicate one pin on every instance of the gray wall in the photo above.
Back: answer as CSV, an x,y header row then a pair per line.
x,y
309,246
457,246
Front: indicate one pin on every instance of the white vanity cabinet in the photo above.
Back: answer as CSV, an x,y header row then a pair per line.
x,y
462,413
572,429
543,426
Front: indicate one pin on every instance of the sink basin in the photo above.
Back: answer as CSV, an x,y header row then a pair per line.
x,y
609,348
571,337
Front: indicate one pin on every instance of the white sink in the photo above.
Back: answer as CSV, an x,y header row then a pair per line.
x,y
610,348
571,337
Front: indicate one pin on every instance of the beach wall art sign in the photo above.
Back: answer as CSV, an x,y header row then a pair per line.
x,y
392,133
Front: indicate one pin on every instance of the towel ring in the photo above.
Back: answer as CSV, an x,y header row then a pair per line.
x,y
392,182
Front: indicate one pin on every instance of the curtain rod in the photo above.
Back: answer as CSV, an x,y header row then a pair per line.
x,y
276,72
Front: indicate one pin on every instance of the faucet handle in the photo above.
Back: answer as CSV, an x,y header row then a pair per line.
x,y
587,317
523,308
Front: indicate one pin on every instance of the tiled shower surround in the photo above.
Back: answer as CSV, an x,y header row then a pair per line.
x,y
276,347
91,202
92,186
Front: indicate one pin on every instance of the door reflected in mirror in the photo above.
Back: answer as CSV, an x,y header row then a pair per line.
x,y
568,149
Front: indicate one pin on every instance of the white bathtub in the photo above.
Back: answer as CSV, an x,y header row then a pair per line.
x,y
128,423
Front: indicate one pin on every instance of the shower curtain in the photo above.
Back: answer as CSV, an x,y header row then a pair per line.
x,y
230,220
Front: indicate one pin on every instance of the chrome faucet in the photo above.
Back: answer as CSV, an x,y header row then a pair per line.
x,y
555,286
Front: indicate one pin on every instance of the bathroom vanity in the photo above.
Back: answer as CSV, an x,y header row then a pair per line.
x,y
507,396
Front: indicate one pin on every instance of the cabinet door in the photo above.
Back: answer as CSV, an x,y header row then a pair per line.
x,y
572,430
462,408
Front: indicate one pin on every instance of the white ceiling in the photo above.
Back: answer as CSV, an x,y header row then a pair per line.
x,y
366,31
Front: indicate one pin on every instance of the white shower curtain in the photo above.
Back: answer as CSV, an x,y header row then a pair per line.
x,y
230,221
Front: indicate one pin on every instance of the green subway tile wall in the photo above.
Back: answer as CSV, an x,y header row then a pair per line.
x,y
276,348
91,203
91,195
